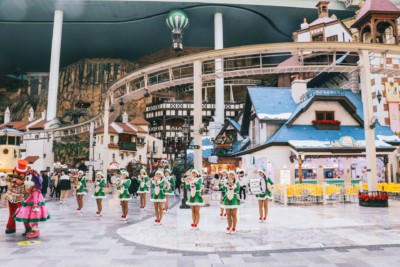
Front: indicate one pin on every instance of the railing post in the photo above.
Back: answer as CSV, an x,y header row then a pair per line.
x,y
324,193
285,197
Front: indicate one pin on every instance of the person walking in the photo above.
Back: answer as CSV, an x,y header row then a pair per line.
x,y
122,185
3,184
195,186
56,179
64,187
158,196
143,181
242,178
99,194
45,183
80,190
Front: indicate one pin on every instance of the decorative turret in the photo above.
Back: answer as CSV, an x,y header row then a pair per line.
x,y
7,116
31,116
323,10
125,117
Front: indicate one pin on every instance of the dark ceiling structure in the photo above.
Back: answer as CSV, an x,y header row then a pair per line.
x,y
132,29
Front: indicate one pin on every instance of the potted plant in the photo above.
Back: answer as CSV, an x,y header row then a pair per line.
x,y
374,199
326,124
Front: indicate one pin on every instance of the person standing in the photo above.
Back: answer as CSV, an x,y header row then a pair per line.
x,y
263,197
178,182
56,179
45,183
3,184
80,190
99,194
64,187
158,196
242,177
122,185
143,180
134,186
195,199
170,187
231,202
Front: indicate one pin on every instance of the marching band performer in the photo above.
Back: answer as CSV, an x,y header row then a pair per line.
x,y
195,200
80,190
158,196
222,182
99,194
122,185
143,188
263,197
170,188
231,201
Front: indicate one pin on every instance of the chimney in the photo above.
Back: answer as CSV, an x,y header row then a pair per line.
x,y
125,117
31,116
7,116
323,10
43,114
304,25
299,88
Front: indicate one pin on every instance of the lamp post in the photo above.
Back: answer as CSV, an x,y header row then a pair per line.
x,y
185,130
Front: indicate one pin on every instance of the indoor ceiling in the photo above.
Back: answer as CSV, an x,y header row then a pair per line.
x,y
132,29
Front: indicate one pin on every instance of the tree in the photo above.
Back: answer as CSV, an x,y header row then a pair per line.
x,y
74,115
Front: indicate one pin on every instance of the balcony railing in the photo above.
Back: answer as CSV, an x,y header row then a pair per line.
x,y
127,146
153,149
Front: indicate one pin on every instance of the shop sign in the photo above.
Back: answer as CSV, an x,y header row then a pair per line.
x,y
213,159
347,141
285,177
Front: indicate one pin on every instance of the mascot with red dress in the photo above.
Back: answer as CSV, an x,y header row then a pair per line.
x,y
16,194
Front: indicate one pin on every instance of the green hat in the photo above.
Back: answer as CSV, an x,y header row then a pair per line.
x,y
196,171
262,170
167,170
101,173
123,171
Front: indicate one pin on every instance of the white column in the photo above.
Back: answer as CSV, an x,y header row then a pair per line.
x,y
54,65
106,137
219,82
365,76
198,116
91,148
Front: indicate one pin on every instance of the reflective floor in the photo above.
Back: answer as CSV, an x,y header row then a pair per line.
x,y
332,235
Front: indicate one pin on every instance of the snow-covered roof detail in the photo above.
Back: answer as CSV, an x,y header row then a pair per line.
x,y
332,144
322,20
270,103
389,138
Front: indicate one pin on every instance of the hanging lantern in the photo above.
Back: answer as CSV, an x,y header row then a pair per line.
x,y
177,21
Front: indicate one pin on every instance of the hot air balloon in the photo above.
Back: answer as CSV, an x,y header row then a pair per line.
x,y
177,21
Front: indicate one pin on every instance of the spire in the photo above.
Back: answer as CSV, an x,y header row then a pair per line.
x,y
31,116
125,117
323,10
7,116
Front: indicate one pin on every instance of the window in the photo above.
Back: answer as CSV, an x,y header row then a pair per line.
x,y
111,139
324,115
333,38
318,38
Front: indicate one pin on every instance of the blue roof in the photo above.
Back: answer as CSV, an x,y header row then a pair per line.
x,y
234,124
309,133
271,101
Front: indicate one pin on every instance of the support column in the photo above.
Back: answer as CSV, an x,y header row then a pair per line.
x,y
365,76
198,114
106,136
91,150
54,65
219,117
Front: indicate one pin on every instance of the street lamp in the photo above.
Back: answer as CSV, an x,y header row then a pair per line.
x,y
379,96
185,131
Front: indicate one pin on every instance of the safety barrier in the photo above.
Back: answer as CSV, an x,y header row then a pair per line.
x,y
391,188
315,193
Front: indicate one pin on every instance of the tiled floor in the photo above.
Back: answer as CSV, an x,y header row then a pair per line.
x,y
333,235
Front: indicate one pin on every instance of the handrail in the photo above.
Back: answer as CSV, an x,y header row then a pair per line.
x,y
140,78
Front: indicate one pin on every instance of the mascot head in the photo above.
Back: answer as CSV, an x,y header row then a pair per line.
x,y
20,172
33,179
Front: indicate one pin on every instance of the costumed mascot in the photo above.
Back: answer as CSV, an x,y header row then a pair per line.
x,y
33,209
16,194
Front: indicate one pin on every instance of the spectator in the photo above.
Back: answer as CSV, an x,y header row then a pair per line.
x,y
45,183
3,183
56,180
65,186
134,187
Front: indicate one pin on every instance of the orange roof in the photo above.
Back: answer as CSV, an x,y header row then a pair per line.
x,y
17,125
139,121
110,130
32,159
140,129
113,146
379,6
39,125
125,128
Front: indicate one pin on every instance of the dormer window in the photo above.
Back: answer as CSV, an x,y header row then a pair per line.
x,y
325,115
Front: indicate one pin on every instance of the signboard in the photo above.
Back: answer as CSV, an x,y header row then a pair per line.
x,y
194,147
347,141
392,91
285,177
213,159
90,163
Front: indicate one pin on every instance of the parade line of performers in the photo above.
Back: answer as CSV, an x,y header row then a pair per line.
x,y
26,203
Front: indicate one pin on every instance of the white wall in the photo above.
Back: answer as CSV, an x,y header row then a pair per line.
x,y
341,114
338,30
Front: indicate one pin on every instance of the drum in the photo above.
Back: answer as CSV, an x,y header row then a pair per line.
x,y
255,187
